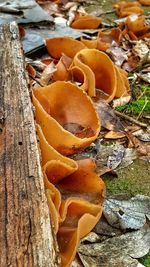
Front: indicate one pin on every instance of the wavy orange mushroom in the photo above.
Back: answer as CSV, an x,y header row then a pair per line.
x,y
138,28
106,39
62,72
85,216
66,45
99,71
124,9
61,105
145,2
89,43
75,201
86,22
123,86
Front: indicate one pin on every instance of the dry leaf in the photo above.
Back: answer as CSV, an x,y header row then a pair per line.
x,y
121,101
116,157
47,73
127,214
105,230
129,155
142,135
109,156
108,118
121,251
114,135
118,55
91,238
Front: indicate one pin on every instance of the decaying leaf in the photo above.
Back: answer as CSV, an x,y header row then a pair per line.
x,y
141,148
141,49
118,55
114,135
47,73
115,159
77,262
104,230
142,135
127,214
110,156
129,155
121,101
40,66
91,238
144,77
108,118
121,251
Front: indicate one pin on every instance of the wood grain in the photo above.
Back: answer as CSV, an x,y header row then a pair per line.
x,y
26,235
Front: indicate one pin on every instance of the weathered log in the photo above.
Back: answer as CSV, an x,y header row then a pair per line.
x,y
26,235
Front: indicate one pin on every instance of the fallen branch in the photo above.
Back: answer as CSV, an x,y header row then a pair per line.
x,y
124,116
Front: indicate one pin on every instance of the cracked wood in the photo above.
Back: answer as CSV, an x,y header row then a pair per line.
x,y
26,236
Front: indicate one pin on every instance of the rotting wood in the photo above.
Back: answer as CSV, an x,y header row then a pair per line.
x,y
26,236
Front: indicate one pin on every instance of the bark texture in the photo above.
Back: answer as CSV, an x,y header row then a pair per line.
x,y
26,235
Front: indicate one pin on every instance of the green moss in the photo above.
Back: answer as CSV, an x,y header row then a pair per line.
x,y
132,180
116,186
142,103
145,260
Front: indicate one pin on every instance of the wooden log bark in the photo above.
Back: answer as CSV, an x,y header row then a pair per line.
x,y
26,235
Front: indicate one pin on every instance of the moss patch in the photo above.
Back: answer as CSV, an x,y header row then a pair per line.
x,y
145,260
132,180
142,102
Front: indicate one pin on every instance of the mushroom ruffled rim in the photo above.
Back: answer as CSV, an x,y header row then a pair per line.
x,y
86,22
99,71
64,103
75,196
66,45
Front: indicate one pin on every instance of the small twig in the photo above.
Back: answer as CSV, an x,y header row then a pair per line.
x,y
124,116
141,94
34,79
146,101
